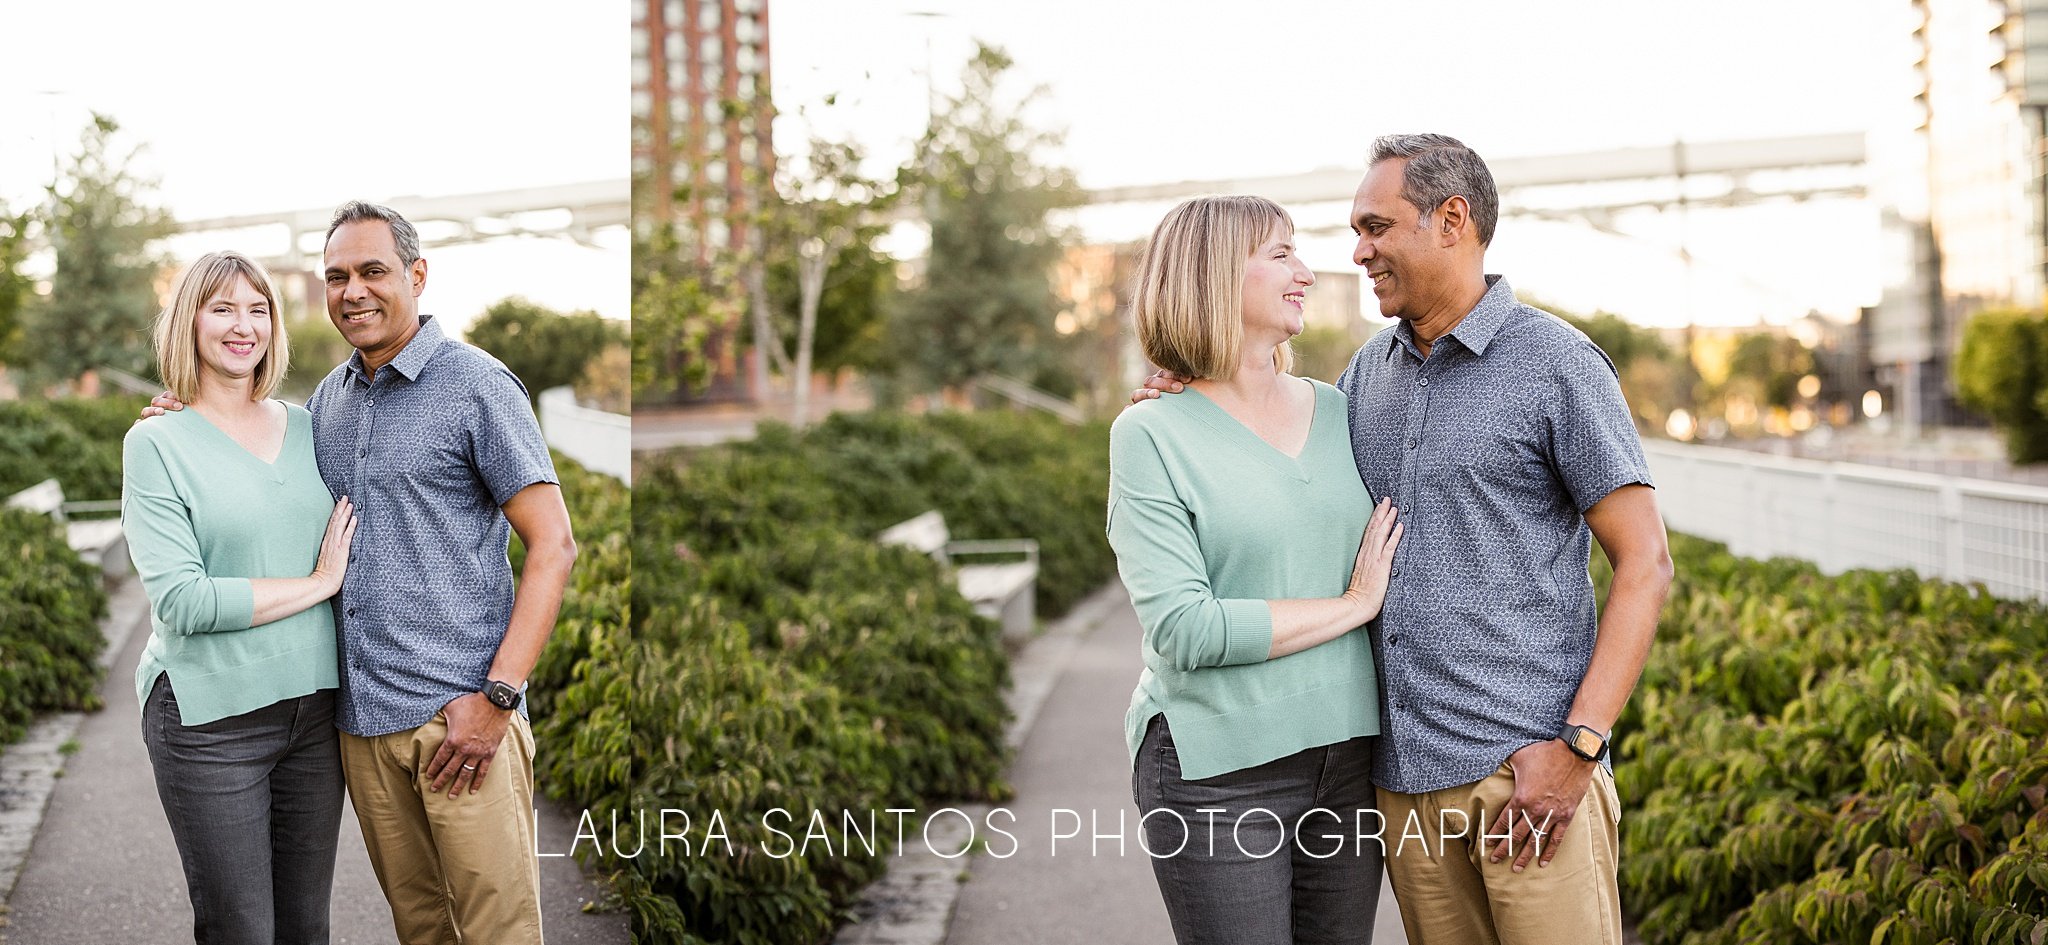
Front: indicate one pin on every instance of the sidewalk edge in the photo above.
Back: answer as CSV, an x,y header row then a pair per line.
x,y
912,904
29,769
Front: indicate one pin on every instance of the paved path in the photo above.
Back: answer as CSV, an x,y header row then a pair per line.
x,y
103,869
1073,758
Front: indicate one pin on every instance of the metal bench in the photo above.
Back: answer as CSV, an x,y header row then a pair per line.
x,y
1004,592
99,542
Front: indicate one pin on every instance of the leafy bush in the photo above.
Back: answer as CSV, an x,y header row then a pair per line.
x,y
543,347
76,441
2002,372
50,604
1861,758
777,657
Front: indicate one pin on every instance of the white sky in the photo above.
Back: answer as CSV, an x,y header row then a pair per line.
x,y
252,107
1153,91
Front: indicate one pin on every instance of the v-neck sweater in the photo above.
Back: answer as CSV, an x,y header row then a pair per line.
x,y
203,516
1209,522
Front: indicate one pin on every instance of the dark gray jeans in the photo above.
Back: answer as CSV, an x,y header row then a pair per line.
x,y
254,802
1262,869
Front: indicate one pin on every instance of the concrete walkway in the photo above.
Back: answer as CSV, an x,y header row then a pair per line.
x,y
1073,758
102,868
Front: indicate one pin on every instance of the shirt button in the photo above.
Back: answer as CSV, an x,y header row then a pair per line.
x,y
1393,573
1424,382
1411,444
351,611
362,452
1393,639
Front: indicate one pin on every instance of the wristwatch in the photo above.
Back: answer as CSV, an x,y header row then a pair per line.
x,y
503,695
1584,742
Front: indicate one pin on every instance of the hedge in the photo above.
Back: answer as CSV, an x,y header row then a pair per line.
x,y
777,657
76,441
50,602
50,605
2001,371
1814,759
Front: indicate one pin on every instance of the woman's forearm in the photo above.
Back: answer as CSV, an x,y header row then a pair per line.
x,y
278,598
1302,624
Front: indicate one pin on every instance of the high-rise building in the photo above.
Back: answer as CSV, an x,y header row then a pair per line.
x,y
701,137
702,114
1975,238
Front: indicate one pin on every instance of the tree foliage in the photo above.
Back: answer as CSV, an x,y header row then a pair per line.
x,y
827,198
16,290
543,347
2002,372
677,305
102,296
987,302
1772,364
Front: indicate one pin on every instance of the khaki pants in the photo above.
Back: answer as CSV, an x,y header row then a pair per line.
x,y
1452,893
456,872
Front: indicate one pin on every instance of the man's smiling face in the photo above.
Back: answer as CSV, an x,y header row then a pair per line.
x,y
371,296
1394,243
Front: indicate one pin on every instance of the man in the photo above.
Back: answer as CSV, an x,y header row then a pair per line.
x,y
1501,434
437,446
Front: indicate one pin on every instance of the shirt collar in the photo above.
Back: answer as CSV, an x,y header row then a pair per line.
x,y
413,357
1476,330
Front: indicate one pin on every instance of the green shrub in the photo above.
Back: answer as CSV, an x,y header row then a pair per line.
x,y
75,441
1850,759
50,604
2002,372
542,347
777,657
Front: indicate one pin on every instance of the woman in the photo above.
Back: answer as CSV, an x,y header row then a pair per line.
x,y
239,546
1241,529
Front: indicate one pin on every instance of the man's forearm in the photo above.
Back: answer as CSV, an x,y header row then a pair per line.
x,y
535,606
1628,623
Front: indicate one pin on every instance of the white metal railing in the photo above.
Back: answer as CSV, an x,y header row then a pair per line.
x,y
602,442
1848,515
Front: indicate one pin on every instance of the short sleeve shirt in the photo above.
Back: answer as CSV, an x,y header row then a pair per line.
x,y
1493,448
429,450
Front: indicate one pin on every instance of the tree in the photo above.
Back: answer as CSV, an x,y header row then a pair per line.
x,y
543,347
16,290
823,220
987,303
2002,372
1774,363
677,306
102,295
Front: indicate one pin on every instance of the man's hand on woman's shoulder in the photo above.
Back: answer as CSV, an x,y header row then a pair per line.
x,y
1161,382
161,404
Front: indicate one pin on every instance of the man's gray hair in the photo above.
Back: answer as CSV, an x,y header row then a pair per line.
x,y
1441,167
402,233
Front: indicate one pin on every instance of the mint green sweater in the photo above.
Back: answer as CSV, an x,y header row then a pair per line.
x,y
203,516
1209,522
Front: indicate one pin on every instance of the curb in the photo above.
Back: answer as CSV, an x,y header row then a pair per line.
x,y
29,769
912,904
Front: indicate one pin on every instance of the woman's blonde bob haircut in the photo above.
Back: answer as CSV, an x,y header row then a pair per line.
x,y
177,334
1189,302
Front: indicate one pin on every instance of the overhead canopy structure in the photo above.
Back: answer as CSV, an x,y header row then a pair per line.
x,y
567,211
1737,173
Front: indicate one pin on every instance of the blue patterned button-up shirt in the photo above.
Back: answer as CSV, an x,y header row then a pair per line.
x,y
1493,449
428,452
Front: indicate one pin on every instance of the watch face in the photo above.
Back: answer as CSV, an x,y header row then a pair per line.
x,y
1587,742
